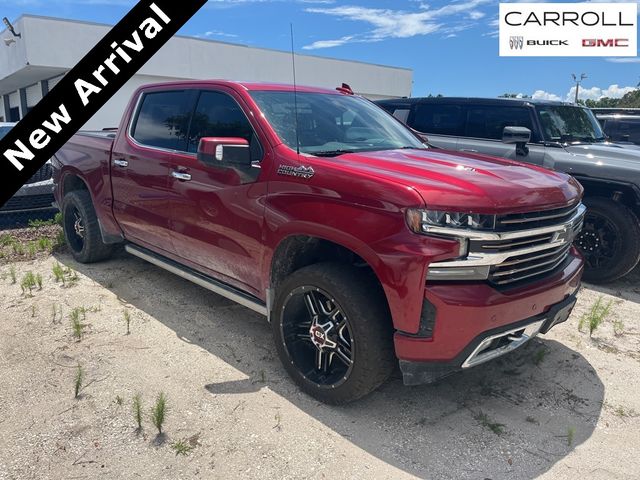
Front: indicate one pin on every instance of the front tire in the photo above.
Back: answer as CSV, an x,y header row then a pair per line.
x,y
81,229
609,241
333,332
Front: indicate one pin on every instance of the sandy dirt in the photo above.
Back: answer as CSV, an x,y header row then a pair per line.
x,y
563,407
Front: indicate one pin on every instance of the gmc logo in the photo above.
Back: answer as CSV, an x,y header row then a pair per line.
x,y
609,42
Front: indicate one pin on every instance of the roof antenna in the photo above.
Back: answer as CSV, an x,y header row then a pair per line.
x,y
295,92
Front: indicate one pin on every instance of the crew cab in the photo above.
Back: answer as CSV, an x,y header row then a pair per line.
x,y
361,245
556,135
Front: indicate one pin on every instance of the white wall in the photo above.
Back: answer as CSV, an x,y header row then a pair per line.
x,y
57,43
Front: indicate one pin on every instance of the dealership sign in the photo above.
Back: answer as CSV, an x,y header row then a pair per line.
x,y
568,29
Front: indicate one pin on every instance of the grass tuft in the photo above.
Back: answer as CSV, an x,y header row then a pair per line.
x,y
12,274
539,356
79,380
159,412
181,447
58,273
571,433
77,327
484,420
127,319
595,316
28,283
137,410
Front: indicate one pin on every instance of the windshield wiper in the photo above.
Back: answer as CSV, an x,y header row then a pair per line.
x,y
332,153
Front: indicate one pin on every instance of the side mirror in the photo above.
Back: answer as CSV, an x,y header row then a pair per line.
x,y
519,136
224,151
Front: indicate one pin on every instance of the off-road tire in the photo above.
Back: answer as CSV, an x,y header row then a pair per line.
x,y
362,299
622,224
90,248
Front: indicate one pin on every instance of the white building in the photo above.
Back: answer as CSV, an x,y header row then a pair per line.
x,y
31,66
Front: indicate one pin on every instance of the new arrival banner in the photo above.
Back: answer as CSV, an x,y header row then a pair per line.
x,y
87,87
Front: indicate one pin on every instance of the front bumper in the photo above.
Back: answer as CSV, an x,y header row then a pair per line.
x,y
467,315
31,198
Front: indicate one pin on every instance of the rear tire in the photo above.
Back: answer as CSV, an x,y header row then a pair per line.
x,y
81,229
344,351
609,241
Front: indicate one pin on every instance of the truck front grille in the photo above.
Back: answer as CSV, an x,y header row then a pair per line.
x,y
545,218
525,248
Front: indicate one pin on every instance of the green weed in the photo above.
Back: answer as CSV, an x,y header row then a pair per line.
x,y
159,412
571,433
44,244
39,281
32,249
484,420
137,410
6,240
28,283
181,447
58,273
595,316
77,327
539,356
12,274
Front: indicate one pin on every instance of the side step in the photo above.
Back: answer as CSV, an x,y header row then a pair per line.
x,y
198,278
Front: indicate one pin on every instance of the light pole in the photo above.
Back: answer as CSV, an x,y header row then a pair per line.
x,y
578,82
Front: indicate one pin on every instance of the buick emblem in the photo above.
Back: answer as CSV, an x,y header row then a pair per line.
x,y
516,43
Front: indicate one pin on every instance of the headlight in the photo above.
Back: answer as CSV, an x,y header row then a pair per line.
x,y
422,221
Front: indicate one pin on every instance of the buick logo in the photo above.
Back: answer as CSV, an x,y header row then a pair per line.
x,y
516,43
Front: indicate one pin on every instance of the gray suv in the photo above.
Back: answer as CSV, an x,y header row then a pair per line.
x,y
555,135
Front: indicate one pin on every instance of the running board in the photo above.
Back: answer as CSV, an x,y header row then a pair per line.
x,y
198,278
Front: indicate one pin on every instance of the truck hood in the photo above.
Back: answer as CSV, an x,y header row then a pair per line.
x,y
607,152
467,182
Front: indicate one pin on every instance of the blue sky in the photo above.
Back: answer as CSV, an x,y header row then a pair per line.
x,y
451,46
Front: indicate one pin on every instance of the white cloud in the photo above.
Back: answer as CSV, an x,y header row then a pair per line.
x,y
596,93
388,23
623,59
218,33
586,93
542,95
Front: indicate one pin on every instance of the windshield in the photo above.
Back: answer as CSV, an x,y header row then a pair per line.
x,y
4,131
566,124
330,125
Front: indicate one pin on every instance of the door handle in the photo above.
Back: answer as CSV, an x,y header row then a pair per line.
x,y
121,162
183,177
468,150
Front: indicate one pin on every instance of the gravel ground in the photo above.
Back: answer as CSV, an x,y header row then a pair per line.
x,y
564,406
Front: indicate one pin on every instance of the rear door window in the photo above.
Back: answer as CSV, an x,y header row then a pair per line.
x,y
438,119
162,120
629,130
489,121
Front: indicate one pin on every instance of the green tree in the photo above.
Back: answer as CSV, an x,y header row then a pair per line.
x,y
630,100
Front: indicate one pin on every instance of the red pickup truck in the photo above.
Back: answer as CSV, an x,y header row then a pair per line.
x,y
362,245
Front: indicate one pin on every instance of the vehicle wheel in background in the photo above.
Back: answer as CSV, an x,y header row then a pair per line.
x,y
609,241
333,332
81,228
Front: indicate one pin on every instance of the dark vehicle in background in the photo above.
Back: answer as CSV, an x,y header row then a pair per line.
x,y
36,196
556,135
621,128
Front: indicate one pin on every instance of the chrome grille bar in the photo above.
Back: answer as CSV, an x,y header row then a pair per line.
x,y
510,257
